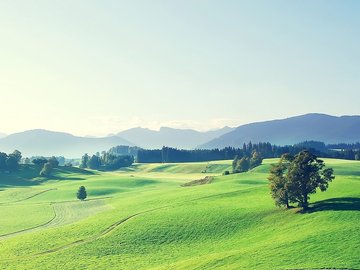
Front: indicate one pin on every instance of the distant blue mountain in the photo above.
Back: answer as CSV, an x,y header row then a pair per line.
x,y
179,138
48,143
314,126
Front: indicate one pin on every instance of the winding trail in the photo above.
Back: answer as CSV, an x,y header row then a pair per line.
x,y
108,230
29,197
104,232
27,230
63,214
115,225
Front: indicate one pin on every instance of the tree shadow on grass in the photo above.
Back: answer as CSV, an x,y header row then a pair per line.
x,y
15,181
335,204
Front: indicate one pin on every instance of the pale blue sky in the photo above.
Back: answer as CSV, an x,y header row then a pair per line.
x,y
98,67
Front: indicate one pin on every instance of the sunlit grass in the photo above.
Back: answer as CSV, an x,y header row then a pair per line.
x,y
146,220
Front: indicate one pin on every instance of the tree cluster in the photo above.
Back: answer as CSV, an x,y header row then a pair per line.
x,y
294,178
10,162
106,161
47,165
246,163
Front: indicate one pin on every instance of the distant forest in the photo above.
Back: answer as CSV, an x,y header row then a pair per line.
x,y
265,150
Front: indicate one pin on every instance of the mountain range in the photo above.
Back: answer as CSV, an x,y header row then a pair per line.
x,y
319,127
314,126
41,142
179,138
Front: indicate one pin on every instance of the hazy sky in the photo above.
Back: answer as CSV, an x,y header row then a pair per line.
x,y
98,67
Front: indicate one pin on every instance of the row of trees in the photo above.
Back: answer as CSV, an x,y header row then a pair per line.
x,y
10,162
124,150
169,154
60,160
106,161
265,150
294,178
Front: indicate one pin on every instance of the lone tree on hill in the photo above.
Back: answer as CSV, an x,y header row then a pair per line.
x,y
293,179
81,194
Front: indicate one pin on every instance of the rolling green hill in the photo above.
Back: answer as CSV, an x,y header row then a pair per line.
x,y
143,218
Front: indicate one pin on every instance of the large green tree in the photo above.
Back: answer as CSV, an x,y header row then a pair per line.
x,y
307,173
293,179
279,182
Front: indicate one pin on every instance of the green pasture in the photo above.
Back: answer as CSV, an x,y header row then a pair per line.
x,y
142,218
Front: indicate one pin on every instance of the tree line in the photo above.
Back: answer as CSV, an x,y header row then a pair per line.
x,y
265,150
106,161
124,150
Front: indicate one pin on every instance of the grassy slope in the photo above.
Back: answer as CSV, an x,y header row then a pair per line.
x,y
150,222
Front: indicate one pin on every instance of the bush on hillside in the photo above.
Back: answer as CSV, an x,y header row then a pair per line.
x,y
81,194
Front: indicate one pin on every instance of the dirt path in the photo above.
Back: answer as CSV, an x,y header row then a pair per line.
x,y
27,198
65,213
106,231
103,233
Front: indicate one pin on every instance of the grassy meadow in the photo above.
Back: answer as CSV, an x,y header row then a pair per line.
x,y
143,218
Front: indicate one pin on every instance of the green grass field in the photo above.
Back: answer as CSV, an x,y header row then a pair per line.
x,y
142,218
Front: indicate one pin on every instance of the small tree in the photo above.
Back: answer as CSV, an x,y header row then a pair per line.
x,y
94,162
17,155
255,160
84,161
243,165
81,194
234,163
53,161
46,170
27,161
